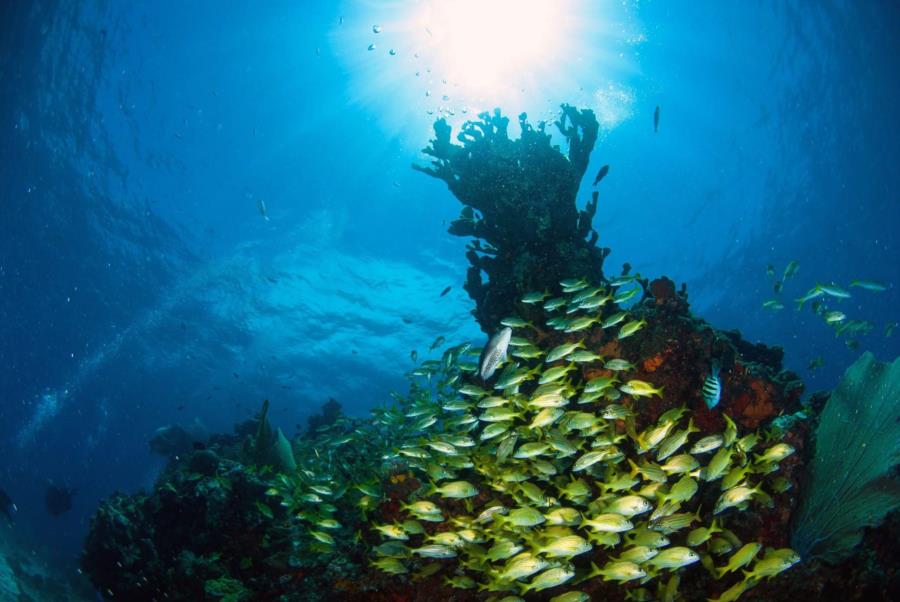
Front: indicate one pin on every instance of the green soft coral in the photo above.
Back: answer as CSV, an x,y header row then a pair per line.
x,y
852,483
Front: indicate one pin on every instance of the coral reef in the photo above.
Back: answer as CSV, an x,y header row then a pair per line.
x,y
224,523
174,439
219,524
625,449
519,205
571,450
328,415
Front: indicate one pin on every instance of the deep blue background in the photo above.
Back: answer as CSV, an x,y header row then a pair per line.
x,y
139,285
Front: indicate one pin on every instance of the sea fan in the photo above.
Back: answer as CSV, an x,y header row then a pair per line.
x,y
852,484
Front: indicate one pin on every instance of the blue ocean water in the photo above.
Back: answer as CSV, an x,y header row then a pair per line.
x,y
141,284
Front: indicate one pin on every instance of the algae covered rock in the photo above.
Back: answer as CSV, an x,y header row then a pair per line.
x,y
226,523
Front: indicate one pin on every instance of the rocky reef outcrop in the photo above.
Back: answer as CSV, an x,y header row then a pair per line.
x,y
518,199
618,419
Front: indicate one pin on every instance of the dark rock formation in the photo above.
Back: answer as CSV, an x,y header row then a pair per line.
x,y
519,205
328,415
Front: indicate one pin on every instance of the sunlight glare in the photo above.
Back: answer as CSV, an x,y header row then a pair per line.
x,y
453,59
483,43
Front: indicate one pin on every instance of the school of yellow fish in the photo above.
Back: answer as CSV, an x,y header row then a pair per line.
x,y
540,479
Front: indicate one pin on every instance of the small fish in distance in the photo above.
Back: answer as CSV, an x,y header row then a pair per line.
x,y
601,174
445,291
790,270
656,120
261,206
870,285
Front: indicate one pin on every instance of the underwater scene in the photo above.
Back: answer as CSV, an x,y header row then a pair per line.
x,y
449,300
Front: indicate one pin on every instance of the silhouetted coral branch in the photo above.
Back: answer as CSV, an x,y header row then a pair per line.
x,y
519,199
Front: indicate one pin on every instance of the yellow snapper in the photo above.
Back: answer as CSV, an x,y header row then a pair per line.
x,y
741,558
707,444
614,319
640,388
673,442
523,517
772,565
734,592
776,453
503,549
674,522
611,523
392,531
734,497
673,558
630,328
573,596
546,417
638,554
561,351
617,571
435,551
701,534
523,565
550,578
628,506
455,490
555,373
680,464
564,547
563,516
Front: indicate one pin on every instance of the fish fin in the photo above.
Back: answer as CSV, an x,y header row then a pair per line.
x,y
635,469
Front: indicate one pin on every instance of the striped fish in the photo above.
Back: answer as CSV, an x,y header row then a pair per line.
x,y
494,353
712,386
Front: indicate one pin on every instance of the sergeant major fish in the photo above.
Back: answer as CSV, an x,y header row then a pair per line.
x,y
712,386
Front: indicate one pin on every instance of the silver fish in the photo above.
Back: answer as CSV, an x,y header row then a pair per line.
x,y
494,353
261,206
